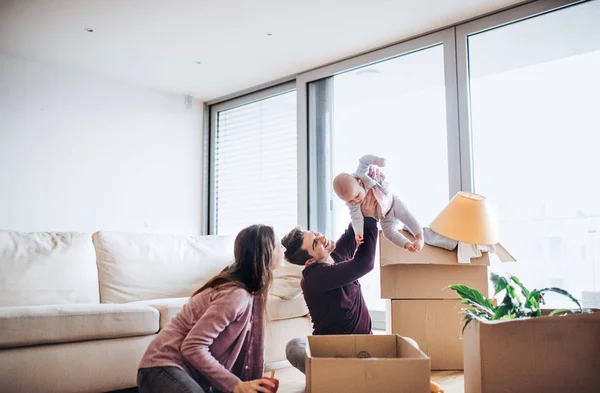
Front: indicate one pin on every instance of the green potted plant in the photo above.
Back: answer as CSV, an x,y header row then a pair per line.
x,y
513,305
514,347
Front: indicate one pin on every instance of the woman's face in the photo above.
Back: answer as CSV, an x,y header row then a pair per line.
x,y
277,260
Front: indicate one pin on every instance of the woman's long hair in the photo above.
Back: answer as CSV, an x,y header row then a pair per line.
x,y
253,252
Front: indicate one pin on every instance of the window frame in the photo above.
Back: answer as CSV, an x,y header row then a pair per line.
x,y
463,31
214,110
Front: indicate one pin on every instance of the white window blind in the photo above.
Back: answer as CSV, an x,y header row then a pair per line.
x,y
256,165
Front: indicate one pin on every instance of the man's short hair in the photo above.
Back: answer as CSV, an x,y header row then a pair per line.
x,y
293,247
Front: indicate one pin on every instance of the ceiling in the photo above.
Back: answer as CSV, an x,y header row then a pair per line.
x,y
240,43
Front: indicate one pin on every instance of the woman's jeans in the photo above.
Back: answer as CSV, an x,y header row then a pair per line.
x,y
166,379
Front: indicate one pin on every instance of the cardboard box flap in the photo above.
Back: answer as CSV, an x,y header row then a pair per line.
x,y
503,254
390,254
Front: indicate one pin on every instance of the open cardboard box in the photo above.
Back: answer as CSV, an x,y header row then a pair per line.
x,y
557,354
425,274
390,364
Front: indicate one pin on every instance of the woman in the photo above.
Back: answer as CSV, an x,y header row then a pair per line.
x,y
215,343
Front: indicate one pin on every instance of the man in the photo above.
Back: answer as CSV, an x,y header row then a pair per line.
x,y
330,279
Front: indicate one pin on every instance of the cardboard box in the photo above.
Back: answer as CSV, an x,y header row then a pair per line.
x,y
426,274
430,281
393,365
436,325
546,354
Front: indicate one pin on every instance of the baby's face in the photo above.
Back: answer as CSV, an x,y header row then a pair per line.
x,y
356,194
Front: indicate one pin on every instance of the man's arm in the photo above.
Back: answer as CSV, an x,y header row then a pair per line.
x,y
324,277
358,221
345,247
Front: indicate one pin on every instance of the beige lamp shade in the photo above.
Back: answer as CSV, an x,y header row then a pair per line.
x,y
467,218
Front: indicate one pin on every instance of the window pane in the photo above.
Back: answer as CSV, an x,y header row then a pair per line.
x,y
535,87
256,165
395,109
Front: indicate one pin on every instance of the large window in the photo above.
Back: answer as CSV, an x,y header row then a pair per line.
x,y
534,89
255,164
394,107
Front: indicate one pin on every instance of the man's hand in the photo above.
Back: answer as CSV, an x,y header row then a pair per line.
x,y
359,238
376,174
369,205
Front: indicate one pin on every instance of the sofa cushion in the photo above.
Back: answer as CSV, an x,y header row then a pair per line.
x,y
167,308
33,325
136,267
278,308
47,268
286,281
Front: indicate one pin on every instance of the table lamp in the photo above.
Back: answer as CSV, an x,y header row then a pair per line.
x,y
467,218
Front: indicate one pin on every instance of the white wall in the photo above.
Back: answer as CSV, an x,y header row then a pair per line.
x,y
82,153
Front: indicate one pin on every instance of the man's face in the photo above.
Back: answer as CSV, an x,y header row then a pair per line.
x,y
318,246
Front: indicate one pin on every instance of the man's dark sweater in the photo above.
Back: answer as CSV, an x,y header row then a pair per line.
x,y
332,291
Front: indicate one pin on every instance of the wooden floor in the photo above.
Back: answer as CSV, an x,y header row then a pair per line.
x,y
292,380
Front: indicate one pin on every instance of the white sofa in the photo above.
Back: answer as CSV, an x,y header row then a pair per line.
x,y
77,311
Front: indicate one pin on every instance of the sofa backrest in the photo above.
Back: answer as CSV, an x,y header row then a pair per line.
x,y
133,267
47,268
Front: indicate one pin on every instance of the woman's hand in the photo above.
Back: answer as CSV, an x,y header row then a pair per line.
x,y
253,386
369,205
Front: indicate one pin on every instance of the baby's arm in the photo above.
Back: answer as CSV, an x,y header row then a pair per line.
x,y
389,227
403,214
358,221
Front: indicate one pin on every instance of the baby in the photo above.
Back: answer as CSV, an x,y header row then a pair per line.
x,y
353,188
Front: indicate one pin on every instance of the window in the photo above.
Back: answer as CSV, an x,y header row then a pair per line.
x,y
254,177
534,92
394,108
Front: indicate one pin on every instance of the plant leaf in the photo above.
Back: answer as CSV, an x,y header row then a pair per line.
x,y
559,311
524,290
474,298
510,291
502,311
500,282
561,292
471,314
